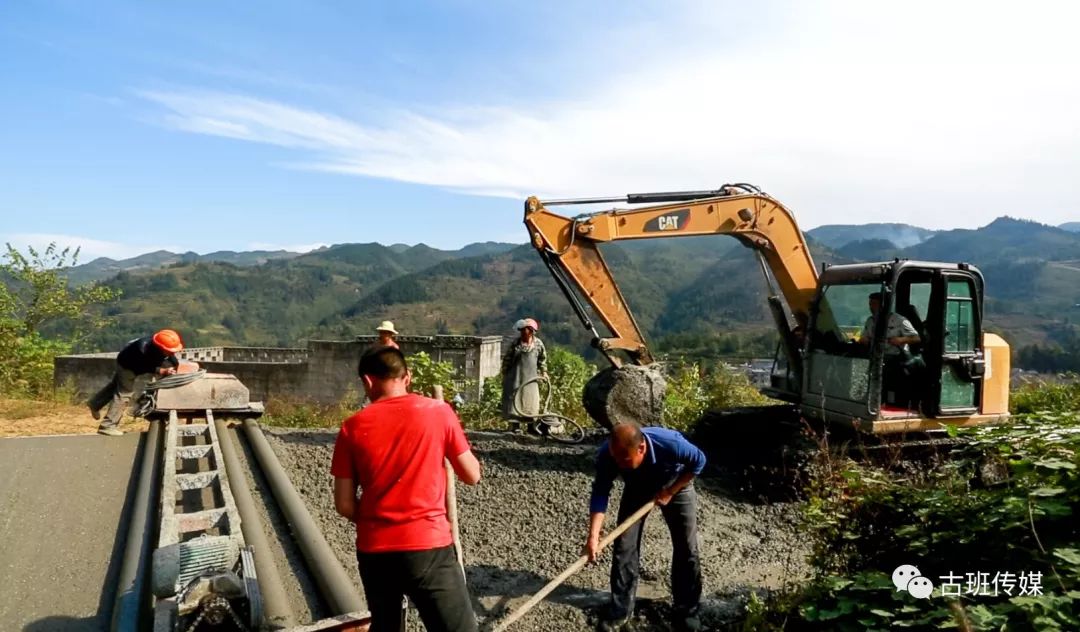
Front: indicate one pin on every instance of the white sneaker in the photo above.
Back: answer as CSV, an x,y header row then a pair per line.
x,y
111,432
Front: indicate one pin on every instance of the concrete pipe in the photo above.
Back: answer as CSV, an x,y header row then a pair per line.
x,y
275,600
334,584
131,596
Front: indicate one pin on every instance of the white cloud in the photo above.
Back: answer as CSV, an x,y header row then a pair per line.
x,y
90,249
940,114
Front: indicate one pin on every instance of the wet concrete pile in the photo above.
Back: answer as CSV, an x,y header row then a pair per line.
x,y
525,522
628,393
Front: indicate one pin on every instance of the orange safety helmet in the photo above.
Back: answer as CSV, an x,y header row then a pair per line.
x,y
168,340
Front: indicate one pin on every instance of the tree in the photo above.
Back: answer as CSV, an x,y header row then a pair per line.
x,y
35,297
35,293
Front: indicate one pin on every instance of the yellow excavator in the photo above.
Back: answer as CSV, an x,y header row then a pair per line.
x,y
835,362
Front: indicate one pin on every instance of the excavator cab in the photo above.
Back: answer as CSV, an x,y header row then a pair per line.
x,y
855,370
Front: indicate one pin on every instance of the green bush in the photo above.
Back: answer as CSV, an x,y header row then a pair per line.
x,y
1032,398
693,390
427,373
484,413
34,298
1007,501
568,372
27,366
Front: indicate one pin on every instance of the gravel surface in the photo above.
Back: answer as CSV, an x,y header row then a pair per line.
x,y
525,522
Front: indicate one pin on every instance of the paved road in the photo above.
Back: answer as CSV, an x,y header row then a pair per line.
x,y
61,500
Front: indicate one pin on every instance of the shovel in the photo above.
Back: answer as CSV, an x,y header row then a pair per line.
x,y
575,567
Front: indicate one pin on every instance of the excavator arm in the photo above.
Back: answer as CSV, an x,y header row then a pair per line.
x,y
569,247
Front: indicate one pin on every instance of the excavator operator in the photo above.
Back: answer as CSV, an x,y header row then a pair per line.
x,y
900,333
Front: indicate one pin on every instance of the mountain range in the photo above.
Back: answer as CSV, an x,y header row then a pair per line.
x,y
705,286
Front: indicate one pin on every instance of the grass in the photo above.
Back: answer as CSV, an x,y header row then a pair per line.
x,y
61,412
298,413
17,406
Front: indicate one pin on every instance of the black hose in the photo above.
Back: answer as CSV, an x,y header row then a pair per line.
x,y
543,409
148,400
173,381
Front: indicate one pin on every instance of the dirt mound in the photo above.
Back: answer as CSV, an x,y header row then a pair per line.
x,y
525,522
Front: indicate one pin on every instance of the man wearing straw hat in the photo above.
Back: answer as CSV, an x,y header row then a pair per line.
x,y
386,333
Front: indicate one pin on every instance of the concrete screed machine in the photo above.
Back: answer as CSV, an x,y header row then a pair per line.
x,y
957,373
195,529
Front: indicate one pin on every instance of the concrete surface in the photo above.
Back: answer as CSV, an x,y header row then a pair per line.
x,y
62,500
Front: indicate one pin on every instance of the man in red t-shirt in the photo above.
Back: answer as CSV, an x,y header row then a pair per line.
x,y
394,450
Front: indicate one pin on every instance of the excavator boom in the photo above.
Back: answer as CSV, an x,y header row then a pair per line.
x,y
569,247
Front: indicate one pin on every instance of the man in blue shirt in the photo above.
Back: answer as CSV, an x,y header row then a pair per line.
x,y
655,464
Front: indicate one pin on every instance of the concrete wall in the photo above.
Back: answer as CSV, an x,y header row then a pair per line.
x,y
88,373
324,371
331,370
266,380
476,358
244,354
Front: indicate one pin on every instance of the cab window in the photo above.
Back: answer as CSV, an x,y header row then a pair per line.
x,y
840,366
959,318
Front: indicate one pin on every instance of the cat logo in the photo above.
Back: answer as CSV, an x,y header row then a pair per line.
x,y
668,222
673,221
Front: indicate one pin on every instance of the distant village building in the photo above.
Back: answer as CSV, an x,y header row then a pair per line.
x,y
757,370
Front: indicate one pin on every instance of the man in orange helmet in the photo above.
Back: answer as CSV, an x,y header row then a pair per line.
x,y
148,355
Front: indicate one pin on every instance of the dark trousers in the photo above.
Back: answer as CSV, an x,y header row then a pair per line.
x,y
680,514
116,395
432,580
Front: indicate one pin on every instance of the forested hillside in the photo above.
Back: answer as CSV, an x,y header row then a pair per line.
x,y
692,293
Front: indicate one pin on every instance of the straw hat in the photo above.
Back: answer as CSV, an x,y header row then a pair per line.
x,y
386,326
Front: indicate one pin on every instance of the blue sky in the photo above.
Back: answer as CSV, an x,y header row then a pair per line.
x,y
131,126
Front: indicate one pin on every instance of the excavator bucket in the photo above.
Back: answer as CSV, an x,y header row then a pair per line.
x,y
627,393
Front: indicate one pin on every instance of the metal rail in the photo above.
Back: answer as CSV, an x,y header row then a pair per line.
x,y
333,582
275,601
204,571
130,593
